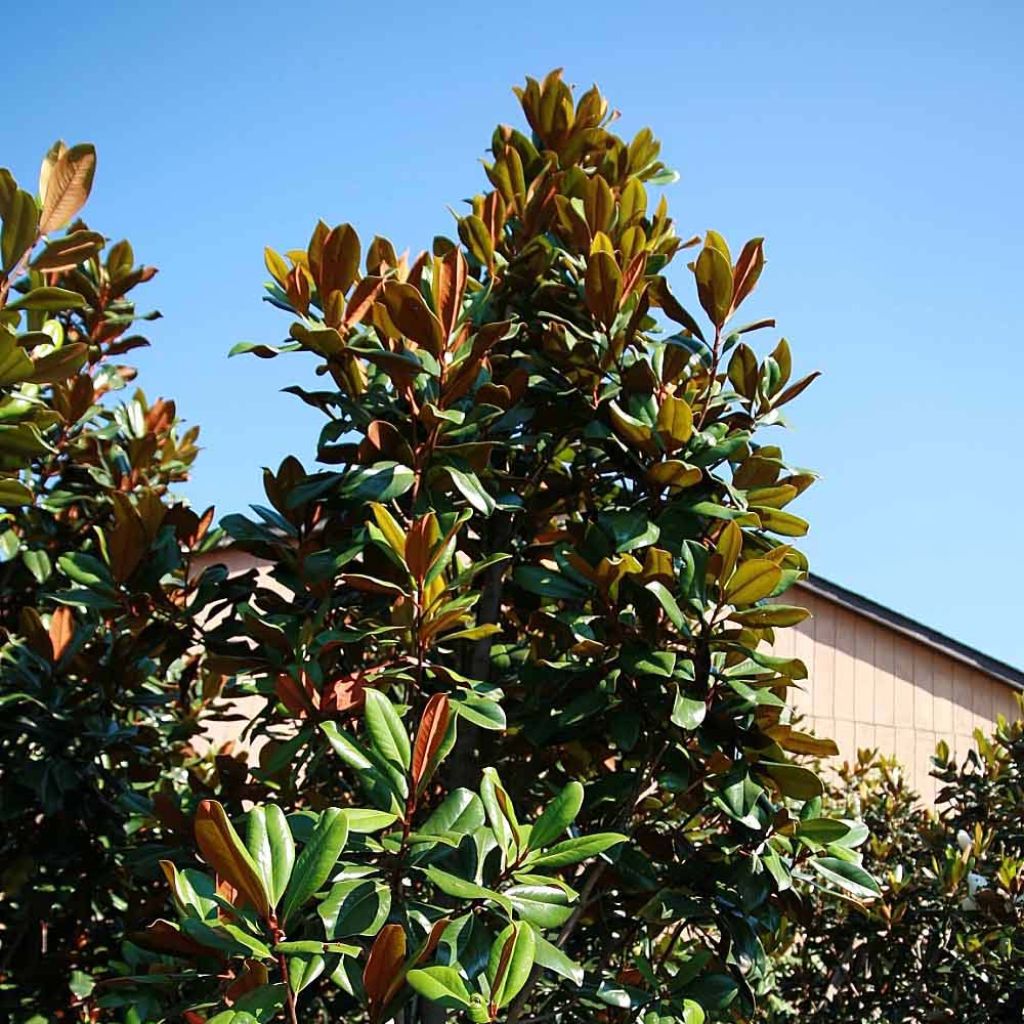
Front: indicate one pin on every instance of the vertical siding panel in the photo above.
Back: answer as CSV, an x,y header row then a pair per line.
x,y
799,699
963,712
800,702
864,671
846,740
784,642
885,740
962,745
845,638
922,780
803,648
942,682
903,672
924,701
981,693
906,751
1007,703
864,734
823,670
827,728
885,684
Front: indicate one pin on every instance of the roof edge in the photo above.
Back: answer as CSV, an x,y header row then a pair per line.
x,y
971,656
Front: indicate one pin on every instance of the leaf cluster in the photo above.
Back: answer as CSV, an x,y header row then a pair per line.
x,y
102,672
944,940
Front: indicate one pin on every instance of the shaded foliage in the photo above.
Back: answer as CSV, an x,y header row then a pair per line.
x,y
945,942
101,678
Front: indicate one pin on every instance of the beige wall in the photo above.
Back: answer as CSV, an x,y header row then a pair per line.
x,y
870,686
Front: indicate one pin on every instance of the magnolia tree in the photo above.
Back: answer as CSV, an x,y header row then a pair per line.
x,y
530,754
945,942
101,669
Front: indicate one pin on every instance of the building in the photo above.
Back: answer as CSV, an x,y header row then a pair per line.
x,y
877,679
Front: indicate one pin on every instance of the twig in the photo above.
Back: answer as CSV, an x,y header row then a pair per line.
x,y
282,963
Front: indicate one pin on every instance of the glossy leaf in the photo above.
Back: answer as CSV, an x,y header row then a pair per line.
x,y
386,729
572,851
847,876
224,851
510,963
559,814
441,985
316,861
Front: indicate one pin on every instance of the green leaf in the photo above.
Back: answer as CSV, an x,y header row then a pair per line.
x,y
779,871
380,482
822,830
469,486
546,906
386,729
547,583
20,228
383,783
480,710
282,851
315,946
572,851
269,841
37,563
87,571
15,363
22,440
81,984
629,529
50,300
13,494
783,523
264,1002
793,780
355,906
453,885
551,957
257,842
317,860
243,938
669,603
500,812
363,820
557,816
688,712
303,970
693,1012
510,962
771,615
752,581
441,985
460,813
641,661
858,833
851,877
714,284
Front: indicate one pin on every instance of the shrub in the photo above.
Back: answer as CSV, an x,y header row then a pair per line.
x,y
945,941
543,543
100,678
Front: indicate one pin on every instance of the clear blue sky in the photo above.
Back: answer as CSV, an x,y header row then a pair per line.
x,y
878,147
